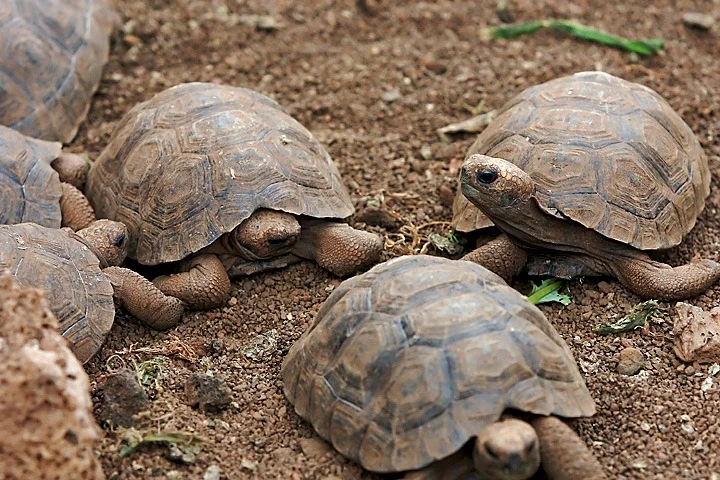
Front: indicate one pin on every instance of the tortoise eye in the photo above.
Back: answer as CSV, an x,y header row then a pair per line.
x,y
486,176
120,240
491,453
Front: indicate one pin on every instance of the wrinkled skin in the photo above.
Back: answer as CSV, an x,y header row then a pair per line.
x,y
506,194
268,239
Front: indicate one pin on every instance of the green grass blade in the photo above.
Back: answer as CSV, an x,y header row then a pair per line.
x,y
549,291
641,47
645,46
516,30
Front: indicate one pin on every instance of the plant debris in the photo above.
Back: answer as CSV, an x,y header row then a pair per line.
x,y
187,444
637,317
645,46
549,291
474,124
150,373
262,346
261,22
449,243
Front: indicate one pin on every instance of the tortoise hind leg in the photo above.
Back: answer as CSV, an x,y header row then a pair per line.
x,y
651,279
143,300
500,256
77,213
564,455
204,283
337,247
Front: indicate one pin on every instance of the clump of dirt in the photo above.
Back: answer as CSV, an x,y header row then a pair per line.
x,y
48,430
375,89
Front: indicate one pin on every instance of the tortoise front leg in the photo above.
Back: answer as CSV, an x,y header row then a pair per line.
x,y
337,247
500,256
203,284
77,213
143,300
564,455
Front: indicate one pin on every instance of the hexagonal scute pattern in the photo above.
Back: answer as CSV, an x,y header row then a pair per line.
x,y
607,153
29,187
79,294
197,159
52,53
408,361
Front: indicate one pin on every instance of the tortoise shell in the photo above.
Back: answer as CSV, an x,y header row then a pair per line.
x,y
29,187
197,159
52,53
408,361
604,152
79,293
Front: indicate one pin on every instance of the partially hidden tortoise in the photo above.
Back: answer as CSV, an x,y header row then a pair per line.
x,y
79,273
41,184
427,366
223,179
52,53
594,171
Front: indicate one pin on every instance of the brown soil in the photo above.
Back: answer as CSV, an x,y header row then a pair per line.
x,y
374,90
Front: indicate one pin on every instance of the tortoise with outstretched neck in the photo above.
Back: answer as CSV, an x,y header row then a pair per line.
x,y
52,53
438,367
223,182
41,184
82,280
595,171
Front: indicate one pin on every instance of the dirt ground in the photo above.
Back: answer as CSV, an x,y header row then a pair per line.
x,y
374,90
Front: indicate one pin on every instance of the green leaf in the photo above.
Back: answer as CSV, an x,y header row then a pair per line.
x,y
635,319
516,30
549,291
645,46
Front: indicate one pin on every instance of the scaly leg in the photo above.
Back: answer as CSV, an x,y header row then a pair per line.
x,y
337,247
204,284
75,208
501,256
143,300
564,455
657,280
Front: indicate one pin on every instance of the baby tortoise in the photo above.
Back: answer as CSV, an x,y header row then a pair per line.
x,y
80,276
41,184
221,180
52,53
596,171
436,366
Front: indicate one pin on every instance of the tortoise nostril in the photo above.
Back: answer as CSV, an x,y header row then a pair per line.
x,y
278,241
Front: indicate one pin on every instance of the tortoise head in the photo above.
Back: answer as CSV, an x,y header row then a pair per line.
x,y
508,449
265,234
107,239
494,185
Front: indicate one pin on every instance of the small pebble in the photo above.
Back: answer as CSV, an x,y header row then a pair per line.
x,y
630,361
313,447
701,21
212,473
391,95
206,392
122,398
